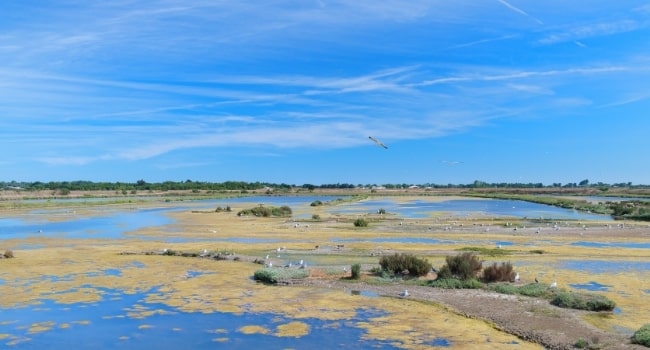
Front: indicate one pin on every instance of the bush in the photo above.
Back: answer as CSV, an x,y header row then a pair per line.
x,y
581,343
463,266
405,263
360,222
266,212
315,217
590,302
277,275
642,335
9,254
316,203
356,271
498,273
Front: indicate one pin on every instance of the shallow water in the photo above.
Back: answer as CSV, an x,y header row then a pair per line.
x,y
110,224
604,266
127,321
467,207
590,286
632,245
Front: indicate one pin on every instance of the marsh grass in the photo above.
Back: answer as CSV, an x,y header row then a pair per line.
x,y
455,283
486,251
560,298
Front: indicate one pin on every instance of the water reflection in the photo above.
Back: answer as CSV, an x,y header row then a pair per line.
x,y
632,245
604,266
591,286
467,207
126,321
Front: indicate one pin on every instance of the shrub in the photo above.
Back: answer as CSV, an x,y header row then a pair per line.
x,y
9,254
463,266
381,211
590,302
498,273
356,271
642,335
267,211
361,222
277,275
316,203
400,263
315,217
581,343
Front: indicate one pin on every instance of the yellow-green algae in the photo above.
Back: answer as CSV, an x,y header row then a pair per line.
x,y
41,327
292,329
254,329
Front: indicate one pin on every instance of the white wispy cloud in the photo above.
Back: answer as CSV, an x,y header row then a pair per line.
x,y
517,75
594,30
520,11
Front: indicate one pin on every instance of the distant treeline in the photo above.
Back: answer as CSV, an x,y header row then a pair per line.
x,y
251,186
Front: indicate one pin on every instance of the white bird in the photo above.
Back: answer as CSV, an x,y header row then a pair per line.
x,y
554,284
377,142
517,277
267,257
405,293
301,262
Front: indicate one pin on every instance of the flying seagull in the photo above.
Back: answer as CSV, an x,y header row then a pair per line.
x,y
379,143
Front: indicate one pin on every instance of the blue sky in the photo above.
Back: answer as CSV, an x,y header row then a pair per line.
x,y
289,91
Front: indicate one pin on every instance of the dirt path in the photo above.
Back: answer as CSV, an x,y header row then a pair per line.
x,y
530,319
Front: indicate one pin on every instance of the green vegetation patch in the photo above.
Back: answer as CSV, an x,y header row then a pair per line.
x,y
580,301
486,251
642,335
455,283
279,275
283,211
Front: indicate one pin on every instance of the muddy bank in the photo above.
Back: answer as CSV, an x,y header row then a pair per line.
x,y
530,319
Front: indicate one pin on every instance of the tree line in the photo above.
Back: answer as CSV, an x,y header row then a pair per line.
x,y
142,185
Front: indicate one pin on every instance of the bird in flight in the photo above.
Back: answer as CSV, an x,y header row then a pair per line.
x,y
379,143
